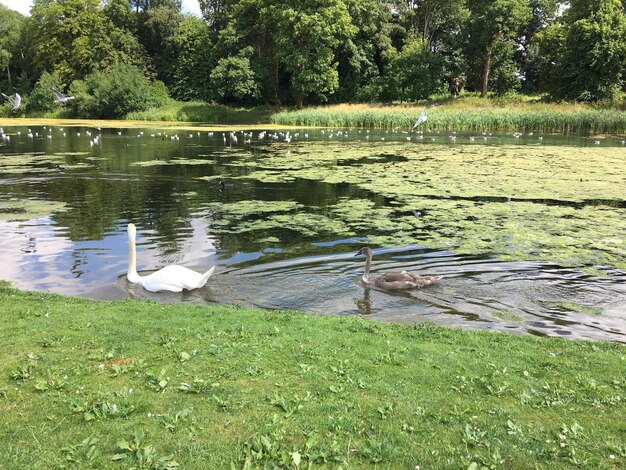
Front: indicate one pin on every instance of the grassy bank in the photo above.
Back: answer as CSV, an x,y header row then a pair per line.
x,y
516,113
88,384
469,113
179,112
197,111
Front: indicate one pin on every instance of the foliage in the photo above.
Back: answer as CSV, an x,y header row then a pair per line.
x,y
192,69
415,72
584,56
232,78
489,24
114,93
11,24
542,118
306,37
316,51
42,98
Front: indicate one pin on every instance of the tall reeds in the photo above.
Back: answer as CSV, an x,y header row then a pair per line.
x,y
584,121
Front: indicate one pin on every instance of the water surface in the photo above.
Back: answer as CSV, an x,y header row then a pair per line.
x,y
527,230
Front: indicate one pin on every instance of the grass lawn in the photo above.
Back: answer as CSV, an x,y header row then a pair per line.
x,y
86,384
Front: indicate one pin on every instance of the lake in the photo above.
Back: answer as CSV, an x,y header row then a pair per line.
x,y
527,230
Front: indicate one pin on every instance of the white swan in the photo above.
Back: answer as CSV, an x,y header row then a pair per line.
x,y
173,278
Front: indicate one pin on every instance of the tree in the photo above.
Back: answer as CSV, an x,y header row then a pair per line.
x,y
70,37
429,18
491,22
11,24
416,71
364,57
158,23
192,69
527,54
585,53
307,34
233,78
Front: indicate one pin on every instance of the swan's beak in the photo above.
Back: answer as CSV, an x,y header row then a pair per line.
x,y
358,253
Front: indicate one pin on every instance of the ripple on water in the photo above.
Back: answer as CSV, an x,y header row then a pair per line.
x,y
477,293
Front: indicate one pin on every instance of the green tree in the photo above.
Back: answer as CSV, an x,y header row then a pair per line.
x,y
585,53
307,35
233,78
416,72
364,57
429,19
42,98
70,37
490,23
192,69
11,24
158,23
527,53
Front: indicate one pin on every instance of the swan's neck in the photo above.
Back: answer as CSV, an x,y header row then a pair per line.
x,y
368,265
132,275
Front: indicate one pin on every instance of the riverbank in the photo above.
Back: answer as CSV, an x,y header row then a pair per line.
x,y
469,112
86,383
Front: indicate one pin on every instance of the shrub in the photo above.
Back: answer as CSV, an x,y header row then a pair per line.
x,y
116,92
42,98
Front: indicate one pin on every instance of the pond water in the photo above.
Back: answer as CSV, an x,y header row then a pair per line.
x,y
526,230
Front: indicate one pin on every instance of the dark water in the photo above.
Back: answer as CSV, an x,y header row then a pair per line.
x,y
82,250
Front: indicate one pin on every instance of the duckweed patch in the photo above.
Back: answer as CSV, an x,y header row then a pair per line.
x,y
574,307
562,204
19,211
173,161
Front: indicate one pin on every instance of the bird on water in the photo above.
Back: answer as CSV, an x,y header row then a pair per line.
x,y
394,280
171,278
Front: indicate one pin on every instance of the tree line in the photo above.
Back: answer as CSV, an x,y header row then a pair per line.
x,y
117,56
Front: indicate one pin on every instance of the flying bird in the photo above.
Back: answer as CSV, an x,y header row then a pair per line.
x,y
420,119
60,97
15,101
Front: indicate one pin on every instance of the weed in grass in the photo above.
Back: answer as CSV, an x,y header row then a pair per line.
x,y
84,451
549,395
166,340
136,453
288,406
52,341
53,380
104,406
385,410
171,422
157,381
198,386
375,452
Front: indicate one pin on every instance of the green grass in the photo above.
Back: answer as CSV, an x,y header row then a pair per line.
x,y
197,111
468,113
87,384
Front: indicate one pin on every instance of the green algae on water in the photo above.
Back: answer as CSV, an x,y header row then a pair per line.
x,y
561,204
19,211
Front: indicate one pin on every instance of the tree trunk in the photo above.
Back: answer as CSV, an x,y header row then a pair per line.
x,y
299,100
484,76
275,80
